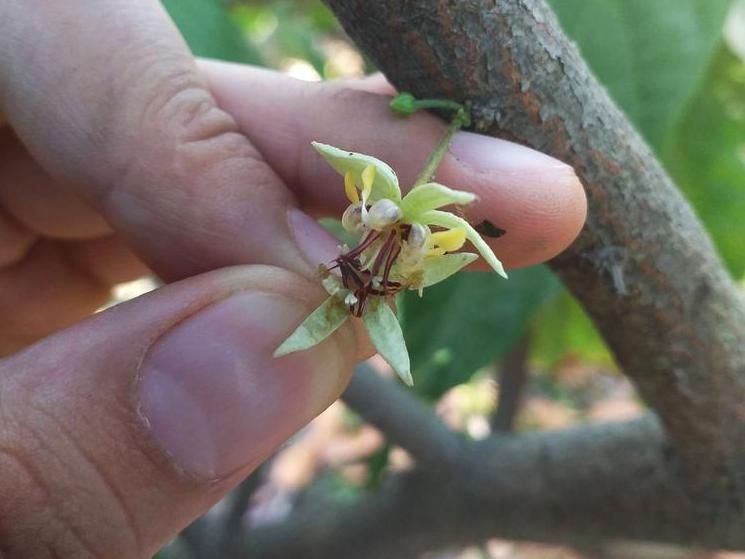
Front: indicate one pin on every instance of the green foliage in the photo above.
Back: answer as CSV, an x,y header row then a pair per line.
x,y
287,28
564,329
707,157
210,32
467,321
655,59
651,55
378,466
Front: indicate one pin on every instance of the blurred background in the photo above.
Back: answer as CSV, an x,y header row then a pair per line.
x,y
677,68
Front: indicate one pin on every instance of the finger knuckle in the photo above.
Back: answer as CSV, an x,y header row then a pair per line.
x,y
176,134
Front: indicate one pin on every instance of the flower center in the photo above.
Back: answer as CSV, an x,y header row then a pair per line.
x,y
366,269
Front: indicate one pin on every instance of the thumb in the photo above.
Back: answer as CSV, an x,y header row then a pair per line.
x,y
118,432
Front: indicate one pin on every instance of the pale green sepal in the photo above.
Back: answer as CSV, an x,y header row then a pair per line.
x,y
439,268
431,196
319,325
332,284
387,337
385,184
450,221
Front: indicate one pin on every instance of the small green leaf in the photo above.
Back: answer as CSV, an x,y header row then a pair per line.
x,y
442,267
319,325
431,196
385,334
385,184
450,221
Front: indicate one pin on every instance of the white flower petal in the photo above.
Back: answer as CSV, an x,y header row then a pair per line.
x,y
440,268
385,183
431,196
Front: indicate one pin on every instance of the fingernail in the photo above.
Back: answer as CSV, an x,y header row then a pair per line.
x,y
317,245
486,154
216,400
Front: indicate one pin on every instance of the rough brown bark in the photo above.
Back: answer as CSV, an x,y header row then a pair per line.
x,y
580,486
530,487
643,267
405,421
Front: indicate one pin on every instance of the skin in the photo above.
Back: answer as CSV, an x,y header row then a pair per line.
x,y
121,155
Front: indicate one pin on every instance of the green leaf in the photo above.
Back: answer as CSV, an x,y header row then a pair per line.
x,y
563,329
385,184
450,221
385,334
319,325
650,54
431,196
469,321
210,32
442,267
653,57
707,157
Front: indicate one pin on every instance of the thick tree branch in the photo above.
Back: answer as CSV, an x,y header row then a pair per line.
x,y
643,267
580,486
404,420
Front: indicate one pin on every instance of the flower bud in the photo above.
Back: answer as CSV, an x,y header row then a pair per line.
x,y
415,247
404,104
418,235
351,219
382,214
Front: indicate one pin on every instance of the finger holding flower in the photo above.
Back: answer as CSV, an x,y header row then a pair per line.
x,y
398,249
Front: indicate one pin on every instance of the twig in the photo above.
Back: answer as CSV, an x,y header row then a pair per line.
x,y
513,377
405,420
233,525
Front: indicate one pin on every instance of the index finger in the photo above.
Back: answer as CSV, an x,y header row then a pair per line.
x,y
107,99
537,200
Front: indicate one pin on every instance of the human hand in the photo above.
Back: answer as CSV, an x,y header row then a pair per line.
x,y
119,149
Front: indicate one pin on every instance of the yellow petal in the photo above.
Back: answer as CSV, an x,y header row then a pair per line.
x,y
368,178
350,188
449,240
445,219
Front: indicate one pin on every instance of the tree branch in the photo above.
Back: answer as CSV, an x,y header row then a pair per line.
x,y
404,419
580,486
513,377
643,267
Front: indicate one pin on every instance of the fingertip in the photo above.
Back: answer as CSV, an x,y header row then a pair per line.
x,y
535,201
215,424
375,83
